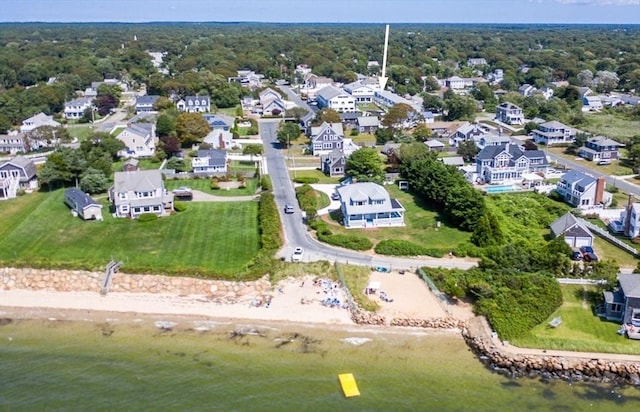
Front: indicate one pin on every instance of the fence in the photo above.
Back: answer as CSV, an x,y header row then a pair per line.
x,y
352,305
609,238
112,268
443,300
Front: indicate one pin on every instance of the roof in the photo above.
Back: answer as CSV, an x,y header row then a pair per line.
x,y
568,225
452,161
434,143
364,192
80,199
147,99
337,128
630,284
216,157
368,121
329,92
138,181
490,152
573,176
604,141
23,163
509,106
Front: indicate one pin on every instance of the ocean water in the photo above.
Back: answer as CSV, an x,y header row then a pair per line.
x,y
130,364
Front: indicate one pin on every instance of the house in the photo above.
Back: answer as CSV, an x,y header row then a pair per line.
x,y
220,139
140,140
273,107
591,103
623,304
366,205
135,193
326,138
130,165
552,133
599,148
386,98
368,124
547,92
458,83
629,222
17,173
75,108
575,233
247,78
363,90
144,104
491,140
476,61
434,145
429,117
334,163
337,99
526,90
350,119
268,94
210,161
13,143
36,121
507,163
82,204
509,113
219,121
194,104
312,81
456,161
582,191
496,77
467,131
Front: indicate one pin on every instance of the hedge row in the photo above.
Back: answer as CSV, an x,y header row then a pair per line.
x,y
265,183
306,196
306,179
395,247
347,241
269,224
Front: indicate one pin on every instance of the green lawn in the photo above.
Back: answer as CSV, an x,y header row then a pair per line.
x,y
81,130
143,164
365,138
322,178
207,239
420,227
616,168
610,125
204,185
580,329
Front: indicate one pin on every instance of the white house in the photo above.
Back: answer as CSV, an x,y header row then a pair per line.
x,y
366,205
509,113
36,121
337,99
508,163
194,104
552,133
363,90
17,173
142,191
575,234
144,104
526,90
583,191
210,161
82,204
13,143
75,108
140,140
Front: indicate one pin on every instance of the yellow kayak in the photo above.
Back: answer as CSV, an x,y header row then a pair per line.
x,y
349,385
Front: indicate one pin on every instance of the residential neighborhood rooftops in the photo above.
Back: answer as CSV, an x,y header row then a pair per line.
x,y
138,181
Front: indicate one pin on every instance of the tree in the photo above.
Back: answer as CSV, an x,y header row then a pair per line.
x,y
297,113
366,165
606,80
166,125
432,103
191,128
252,150
585,78
468,150
93,181
327,115
421,132
105,103
287,132
488,231
177,164
460,107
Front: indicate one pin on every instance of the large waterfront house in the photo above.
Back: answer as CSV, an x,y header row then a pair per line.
x,y
17,173
509,113
36,121
140,140
583,191
135,193
552,133
210,161
600,148
337,99
194,104
82,204
326,138
574,232
363,90
508,163
366,205
623,303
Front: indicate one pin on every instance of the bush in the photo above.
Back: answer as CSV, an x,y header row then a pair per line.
x,y
347,241
397,247
179,206
215,185
306,179
147,217
265,183
307,200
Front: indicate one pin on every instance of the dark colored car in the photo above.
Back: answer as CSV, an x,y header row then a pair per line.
x,y
335,196
590,257
576,255
586,249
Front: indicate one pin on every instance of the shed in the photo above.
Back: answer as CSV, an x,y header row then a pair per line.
x,y
575,234
82,204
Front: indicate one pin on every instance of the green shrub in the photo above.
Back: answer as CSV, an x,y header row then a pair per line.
x,y
307,200
265,183
396,247
147,217
215,185
179,206
347,241
306,179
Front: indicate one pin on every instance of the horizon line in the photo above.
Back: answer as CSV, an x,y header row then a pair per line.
x,y
315,22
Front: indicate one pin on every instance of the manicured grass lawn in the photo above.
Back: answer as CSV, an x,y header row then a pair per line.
x,y
143,164
580,329
611,126
81,130
616,168
606,250
207,239
322,178
204,185
420,225
366,138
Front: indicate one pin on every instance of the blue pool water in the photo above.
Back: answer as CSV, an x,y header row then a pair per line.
x,y
502,189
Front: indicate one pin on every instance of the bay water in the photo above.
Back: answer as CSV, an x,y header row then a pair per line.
x,y
191,365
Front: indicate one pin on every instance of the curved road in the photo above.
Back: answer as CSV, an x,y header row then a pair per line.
x,y
295,231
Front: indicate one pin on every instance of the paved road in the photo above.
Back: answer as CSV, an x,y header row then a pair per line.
x,y
301,103
295,231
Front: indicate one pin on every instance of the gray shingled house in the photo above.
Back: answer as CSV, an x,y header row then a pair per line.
x,y
142,191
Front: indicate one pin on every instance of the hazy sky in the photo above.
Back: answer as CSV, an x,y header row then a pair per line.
x,y
339,11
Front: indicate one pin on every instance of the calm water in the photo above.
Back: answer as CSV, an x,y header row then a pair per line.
x,y
131,365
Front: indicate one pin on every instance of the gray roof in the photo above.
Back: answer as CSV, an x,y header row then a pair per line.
x,y
141,129
80,199
216,157
568,225
604,141
630,284
452,161
365,192
368,121
22,162
490,152
147,99
329,92
337,128
434,143
138,181
573,176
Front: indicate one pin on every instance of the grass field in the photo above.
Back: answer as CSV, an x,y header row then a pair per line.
x,y
616,168
420,227
204,185
322,178
611,126
580,329
143,164
207,239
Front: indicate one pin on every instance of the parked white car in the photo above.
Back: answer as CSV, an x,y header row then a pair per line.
x,y
297,254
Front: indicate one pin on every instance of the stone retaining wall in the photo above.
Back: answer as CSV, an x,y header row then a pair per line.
x,y
84,281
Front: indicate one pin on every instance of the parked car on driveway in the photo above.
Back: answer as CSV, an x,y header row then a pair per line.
x,y
297,254
335,196
576,255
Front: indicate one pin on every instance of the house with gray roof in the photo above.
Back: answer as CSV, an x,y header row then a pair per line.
x,y
210,161
574,232
366,205
219,121
457,161
140,140
82,204
36,121
552,133
326,138
363,90
507,163
509,113
337,99
368,124
623,303
13,143
17,173
334,163
599,148
144,104
74,109
143,191
582,190
194,104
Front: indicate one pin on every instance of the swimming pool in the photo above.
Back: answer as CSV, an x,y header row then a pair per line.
x,y
502,189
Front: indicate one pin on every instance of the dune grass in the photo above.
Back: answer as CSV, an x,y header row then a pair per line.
x,y
581,330
208,239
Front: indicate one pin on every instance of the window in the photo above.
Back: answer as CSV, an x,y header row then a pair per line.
x,y
122,195
616,307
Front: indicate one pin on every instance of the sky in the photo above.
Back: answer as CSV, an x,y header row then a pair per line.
x,y
326,11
